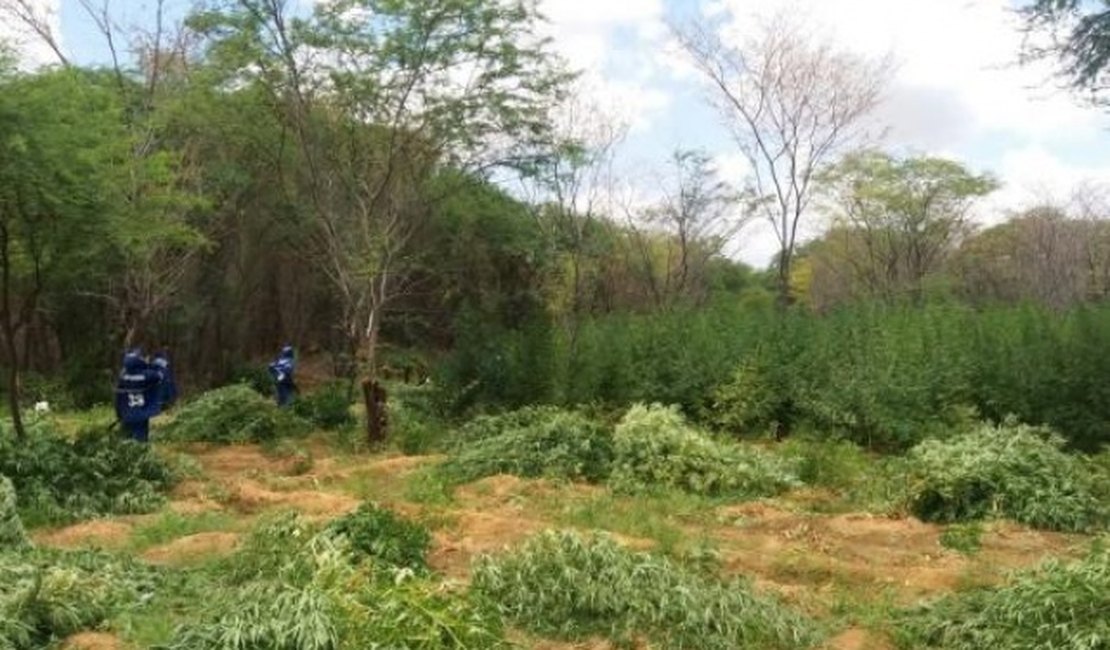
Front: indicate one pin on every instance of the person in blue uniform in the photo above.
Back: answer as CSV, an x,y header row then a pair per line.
x,y
168,393
137,395
282,370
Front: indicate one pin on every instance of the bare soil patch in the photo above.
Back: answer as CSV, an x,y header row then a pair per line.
x,y
93,641
192,548
99,533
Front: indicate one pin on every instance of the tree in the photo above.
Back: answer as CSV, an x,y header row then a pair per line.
x,y
381,95
699,216
1078,36
792,104
897,219
60,139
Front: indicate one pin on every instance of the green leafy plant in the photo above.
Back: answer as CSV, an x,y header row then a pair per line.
x,y
233,414
570,586
327,407
965,538
12,534
1059,605
656,449
97,473
1013,471
381,535
561,444
296,589
47,595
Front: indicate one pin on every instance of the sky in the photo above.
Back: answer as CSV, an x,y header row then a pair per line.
x,y
957,90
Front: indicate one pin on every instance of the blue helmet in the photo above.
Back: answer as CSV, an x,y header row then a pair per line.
x,y
287,352
133,360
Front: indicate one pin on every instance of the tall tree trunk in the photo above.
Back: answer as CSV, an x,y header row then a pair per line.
x,y
9,336
373,393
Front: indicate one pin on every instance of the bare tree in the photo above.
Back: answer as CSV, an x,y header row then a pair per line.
x,y
792,103
35,18
695,220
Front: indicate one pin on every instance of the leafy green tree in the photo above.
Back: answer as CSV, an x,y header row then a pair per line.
x,y
896,220
60,140
380,94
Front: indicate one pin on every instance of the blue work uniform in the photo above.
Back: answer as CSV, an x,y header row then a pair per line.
x,y
168,393
282,370
137,395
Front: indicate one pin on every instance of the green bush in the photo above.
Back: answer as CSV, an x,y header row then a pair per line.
x,y
1057,606
48,595
561,444
327,407
293,589
656,449
12,535
381,535
566,585
233,414
835,464
416,425
486,426
97,473
1012,471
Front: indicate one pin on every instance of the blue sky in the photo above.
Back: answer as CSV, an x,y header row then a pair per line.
x,y
957,91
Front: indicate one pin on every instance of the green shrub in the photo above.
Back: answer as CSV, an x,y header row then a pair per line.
x,y
561,444
233,414
415,423
48,595
1013,471
12,534
835,464
656,449
484,427
97,473
293,589
327,407
965,538
566,585
1057,606
384,536
751,402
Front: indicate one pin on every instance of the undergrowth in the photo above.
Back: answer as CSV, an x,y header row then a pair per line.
x,y
47,595
1010,471
569,586
97,473
291,587
561,444
377,533
1059,605
655,448
233,414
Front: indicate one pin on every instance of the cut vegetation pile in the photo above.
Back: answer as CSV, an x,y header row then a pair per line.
x,y
380,535
233,414
290,587
574,587
656,449
97,473
1011,471
1057,606
12,535
545,442
47,595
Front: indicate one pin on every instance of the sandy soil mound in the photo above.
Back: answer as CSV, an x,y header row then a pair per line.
x,y
857,639
96,534
93,641
251,496
192,548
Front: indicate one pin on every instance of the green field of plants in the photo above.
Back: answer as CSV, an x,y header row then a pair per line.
x,y
246,526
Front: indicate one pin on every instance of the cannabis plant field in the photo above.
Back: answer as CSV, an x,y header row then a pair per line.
x,y
246,528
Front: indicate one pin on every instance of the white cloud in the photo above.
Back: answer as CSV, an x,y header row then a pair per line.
x,y
1036,175
29,47
609,41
